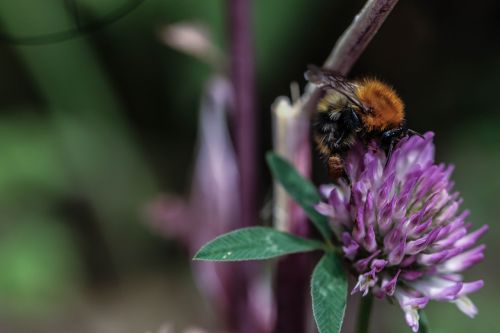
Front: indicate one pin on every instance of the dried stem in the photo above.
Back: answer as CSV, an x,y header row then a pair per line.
x,y
353,42
291,140
358,35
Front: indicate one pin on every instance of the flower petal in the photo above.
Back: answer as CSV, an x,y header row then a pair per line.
x,y
466,306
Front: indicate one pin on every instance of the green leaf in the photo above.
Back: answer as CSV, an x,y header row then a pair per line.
x,y
329,294
423,323
300,189
254,243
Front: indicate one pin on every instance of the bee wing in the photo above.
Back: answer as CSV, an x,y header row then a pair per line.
x,y
329,79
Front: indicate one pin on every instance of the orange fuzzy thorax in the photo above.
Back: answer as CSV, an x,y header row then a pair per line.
x,y
387,108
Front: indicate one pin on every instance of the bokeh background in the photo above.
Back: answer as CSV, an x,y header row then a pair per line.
x,y
95,127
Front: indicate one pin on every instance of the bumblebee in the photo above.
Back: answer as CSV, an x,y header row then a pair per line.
x,y
354,110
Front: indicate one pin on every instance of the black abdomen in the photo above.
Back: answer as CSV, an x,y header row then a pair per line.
x,y
335,130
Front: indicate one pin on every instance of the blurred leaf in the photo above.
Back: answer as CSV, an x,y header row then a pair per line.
x,y
254,243
329,294
38,263
30,166
99,150
300,189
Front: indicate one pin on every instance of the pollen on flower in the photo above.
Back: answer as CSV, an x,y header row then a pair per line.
x,y
401,227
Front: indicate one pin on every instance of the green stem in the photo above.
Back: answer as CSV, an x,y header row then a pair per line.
x,y
424,324
365,309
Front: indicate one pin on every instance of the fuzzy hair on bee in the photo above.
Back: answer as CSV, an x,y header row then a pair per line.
x,y
387,107
349,111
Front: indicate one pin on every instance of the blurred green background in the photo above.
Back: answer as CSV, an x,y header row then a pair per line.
x,y
94,127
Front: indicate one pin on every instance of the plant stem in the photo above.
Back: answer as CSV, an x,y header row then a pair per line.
x,y
291,292
423,323
358,35
352,43
243,77
245,319
365,309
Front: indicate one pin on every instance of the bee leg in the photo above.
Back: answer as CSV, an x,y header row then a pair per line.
x,y
389,152
336,169
412,132
346,179
390,138
393,134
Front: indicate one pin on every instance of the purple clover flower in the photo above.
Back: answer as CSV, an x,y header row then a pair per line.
x,y
400,227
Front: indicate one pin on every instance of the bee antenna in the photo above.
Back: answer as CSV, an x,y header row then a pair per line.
x,y
412,132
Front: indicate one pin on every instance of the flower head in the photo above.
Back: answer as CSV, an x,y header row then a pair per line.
x,y
400,227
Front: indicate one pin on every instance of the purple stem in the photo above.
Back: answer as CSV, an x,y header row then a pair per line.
x,y
292,293
242,70
354,41
293,272
243,81
358,35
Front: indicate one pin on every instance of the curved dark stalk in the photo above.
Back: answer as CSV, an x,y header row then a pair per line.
x,y
353,42
358,35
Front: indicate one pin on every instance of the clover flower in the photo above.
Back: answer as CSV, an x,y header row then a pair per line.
x,y
400,227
